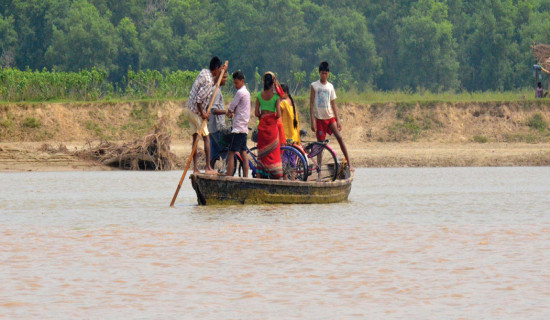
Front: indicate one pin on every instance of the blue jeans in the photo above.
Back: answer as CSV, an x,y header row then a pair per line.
x,y
215,148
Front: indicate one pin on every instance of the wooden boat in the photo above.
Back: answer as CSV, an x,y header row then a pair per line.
x,y
217,189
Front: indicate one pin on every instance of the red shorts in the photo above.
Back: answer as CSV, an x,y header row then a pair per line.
x,y
323,127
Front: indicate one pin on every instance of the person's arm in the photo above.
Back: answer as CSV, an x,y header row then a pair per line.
x,y
335,110
257,109
204,115
218,108
234,104
278,108
204,93
311,115
219,111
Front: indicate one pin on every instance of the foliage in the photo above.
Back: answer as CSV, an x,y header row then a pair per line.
x,y
16,85
19,85
537,122
31,123
480,139
407,129
410,46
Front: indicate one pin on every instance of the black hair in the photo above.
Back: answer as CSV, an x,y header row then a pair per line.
x,y
324,66
215,63
539,85
268,81
238,75
285,89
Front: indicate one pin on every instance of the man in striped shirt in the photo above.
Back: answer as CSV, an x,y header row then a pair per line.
x,y
200,94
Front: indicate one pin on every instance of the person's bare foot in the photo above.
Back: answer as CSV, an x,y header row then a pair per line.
x,y
196,171
210,171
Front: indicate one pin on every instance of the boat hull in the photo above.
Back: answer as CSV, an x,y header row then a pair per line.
x,y
222,190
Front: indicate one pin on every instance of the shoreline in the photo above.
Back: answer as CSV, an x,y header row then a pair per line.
x,y
30,156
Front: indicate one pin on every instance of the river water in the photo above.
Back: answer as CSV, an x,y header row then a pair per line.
x,y
440,243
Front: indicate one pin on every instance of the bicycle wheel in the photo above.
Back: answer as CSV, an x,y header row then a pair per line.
x,y
294,164
309,165
324,160
252,162
252,165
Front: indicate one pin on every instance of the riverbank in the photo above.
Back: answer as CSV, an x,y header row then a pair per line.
x,y
32,156
43,136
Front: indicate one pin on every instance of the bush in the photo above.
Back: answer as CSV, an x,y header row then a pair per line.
x,y
480,139
407,129
31,123
537,122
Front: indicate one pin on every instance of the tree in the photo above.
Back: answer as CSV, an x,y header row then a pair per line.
x,y
82,40
341,37
426,48
197,31
8,40
490,51
159,48
129,49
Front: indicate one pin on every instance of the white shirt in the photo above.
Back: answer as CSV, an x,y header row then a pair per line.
x,y
324,94
240,106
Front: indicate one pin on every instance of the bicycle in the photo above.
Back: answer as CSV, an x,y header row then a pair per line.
x,y
219,160
320,157
293,162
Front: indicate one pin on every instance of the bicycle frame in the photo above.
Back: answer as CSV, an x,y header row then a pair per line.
x,y
310,158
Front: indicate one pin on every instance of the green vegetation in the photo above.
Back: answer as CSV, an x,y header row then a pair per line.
x,y
31,123
408,129
426,96
91,85
98,48
537,122
95,128
480,139
183,122
7,122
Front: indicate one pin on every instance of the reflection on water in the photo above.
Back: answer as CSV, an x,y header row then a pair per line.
x,y
449,243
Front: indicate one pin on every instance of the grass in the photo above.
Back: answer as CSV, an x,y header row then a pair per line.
x,y
480,139
95,128
407,97
7,122
31,123
408,129
537,122
368,96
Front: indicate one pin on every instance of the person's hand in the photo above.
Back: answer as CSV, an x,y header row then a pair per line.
x,y
229,114
205,115
339,125
313,128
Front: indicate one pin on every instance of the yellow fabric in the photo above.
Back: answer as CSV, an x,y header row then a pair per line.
x,y
288,121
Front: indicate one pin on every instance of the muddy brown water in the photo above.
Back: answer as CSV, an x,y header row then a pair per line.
x,y
439,243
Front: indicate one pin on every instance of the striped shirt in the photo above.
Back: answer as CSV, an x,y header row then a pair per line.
x,y
201,91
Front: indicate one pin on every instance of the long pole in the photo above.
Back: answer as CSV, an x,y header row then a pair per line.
x,y
197,140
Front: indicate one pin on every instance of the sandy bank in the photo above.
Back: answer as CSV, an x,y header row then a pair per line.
x,y
378,135
29,156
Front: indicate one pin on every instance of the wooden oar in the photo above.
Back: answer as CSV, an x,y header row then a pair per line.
x,y
200,130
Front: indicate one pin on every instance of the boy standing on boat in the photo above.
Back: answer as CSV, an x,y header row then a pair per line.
x,y
239,110
201,93
323,110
